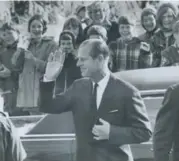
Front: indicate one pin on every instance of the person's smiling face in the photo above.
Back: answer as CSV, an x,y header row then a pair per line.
x,y
10,36
89,66
149,22
167,19
36,29
67,46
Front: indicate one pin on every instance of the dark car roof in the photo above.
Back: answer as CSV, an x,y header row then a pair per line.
x,y
151,78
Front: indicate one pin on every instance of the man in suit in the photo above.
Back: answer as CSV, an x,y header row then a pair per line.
x,y
108,112
166,131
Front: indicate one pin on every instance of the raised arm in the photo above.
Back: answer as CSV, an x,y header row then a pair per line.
x,y
61,103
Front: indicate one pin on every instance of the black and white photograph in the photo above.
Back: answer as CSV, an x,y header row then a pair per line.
x,y
89,80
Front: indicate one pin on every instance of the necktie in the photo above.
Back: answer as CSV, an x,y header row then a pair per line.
x,y
94,97
93,111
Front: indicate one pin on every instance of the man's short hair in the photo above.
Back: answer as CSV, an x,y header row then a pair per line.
x,y
97,30
98,47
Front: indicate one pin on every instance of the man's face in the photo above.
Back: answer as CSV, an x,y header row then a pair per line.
x,y
88,66
10,36
125,30
149,22
66,46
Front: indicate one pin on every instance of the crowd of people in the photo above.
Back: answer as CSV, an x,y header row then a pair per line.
x,y
20,79
90,45
24,58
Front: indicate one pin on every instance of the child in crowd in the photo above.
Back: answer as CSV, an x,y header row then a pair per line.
x,y
170,56
36,48
97,31
163,38
70,71
131,52
9,74
148,21
99,13
81,13
74,25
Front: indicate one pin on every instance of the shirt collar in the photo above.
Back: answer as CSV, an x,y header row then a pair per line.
x,y
103,82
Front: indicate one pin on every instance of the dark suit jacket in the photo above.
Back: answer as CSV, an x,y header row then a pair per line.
x,y
129,121
166,131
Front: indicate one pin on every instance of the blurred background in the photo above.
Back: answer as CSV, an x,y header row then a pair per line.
x,y
55,12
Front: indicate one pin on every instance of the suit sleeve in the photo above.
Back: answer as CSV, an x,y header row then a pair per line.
x,y
58,104
137,128
164,130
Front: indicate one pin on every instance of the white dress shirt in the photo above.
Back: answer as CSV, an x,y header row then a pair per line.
x,y
100,89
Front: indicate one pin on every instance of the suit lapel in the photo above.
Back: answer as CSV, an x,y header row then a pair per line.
x,y
106,95
87,95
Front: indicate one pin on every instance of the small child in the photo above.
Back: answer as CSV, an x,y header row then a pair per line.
x,y
70,71
97,31
131,52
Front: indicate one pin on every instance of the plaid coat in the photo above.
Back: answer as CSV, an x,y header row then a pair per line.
x,y
129,56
